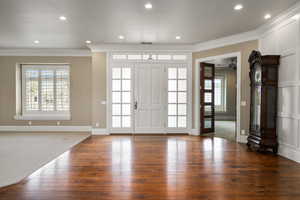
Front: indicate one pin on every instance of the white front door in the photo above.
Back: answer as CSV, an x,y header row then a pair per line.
x,y
150,98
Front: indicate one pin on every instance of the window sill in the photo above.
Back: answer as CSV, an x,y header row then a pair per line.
x,y
42,117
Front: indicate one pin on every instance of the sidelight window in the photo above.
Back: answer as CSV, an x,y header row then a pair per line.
x,y
177,97
121,97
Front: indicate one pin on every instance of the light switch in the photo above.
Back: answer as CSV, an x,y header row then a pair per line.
x,y
103,102
243,132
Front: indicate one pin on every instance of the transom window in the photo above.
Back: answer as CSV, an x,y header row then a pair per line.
x,y
149,56
45,89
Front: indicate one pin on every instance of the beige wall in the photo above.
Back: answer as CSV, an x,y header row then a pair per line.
x,y
98,90
245,48
80,68
88,85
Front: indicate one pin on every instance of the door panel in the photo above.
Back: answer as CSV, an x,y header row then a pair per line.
x,y
149,113
207,107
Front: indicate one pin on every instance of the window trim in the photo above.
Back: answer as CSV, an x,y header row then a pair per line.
x,y
223,107
42,115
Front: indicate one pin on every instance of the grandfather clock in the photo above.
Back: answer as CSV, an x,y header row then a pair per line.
x,y
263,110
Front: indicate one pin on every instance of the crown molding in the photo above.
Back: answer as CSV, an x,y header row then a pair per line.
x,y
140,47
225,41
44,52
279,19
234,39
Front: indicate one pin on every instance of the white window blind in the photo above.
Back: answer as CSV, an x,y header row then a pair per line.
x,y
45,89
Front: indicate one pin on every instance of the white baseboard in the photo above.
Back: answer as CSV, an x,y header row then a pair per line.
x,y
289,152
100,131
194,132
242,139
46,128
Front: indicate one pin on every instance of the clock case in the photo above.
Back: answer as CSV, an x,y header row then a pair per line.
x,y
263,107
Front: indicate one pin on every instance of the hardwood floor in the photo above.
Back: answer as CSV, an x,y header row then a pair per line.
x,y
160,168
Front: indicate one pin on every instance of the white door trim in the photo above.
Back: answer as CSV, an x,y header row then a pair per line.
x,y
239,137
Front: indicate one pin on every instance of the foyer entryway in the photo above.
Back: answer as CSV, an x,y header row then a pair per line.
x,y
148,93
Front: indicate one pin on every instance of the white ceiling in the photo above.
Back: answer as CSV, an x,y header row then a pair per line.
x,y
102,21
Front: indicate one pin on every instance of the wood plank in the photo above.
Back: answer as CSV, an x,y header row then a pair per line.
x,y
160,167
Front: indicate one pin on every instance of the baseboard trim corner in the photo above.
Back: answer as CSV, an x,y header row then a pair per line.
x,y
289,152
194,132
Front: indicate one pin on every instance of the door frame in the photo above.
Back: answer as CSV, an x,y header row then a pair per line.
x,y
239,137
167,63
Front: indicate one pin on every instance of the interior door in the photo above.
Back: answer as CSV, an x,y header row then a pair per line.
x,y
149,99
207,107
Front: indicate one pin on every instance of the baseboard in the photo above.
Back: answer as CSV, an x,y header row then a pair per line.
x,y
100,131
194,132
289,152
45,128
242,139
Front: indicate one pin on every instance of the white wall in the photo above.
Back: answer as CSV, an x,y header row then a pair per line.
x,y
283,39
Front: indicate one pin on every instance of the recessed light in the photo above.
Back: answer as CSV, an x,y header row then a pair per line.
x,y
62,18
296,17
268,16
178,37
238,7
121,37
88,41
148,6
36,42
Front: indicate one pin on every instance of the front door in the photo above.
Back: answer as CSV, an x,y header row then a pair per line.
x,y
207,106
150,98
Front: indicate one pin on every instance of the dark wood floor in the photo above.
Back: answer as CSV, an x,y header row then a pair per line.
x,y
160,168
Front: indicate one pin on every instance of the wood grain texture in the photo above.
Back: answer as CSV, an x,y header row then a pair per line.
x,y
160,168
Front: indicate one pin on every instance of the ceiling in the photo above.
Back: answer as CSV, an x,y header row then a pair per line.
x,y
102,21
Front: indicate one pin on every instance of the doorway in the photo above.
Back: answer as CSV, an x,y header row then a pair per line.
x,y
149,93
225,97
225,113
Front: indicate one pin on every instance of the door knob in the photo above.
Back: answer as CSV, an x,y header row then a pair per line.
x,y
135,105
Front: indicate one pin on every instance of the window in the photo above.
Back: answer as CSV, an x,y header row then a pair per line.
x,y
220,94
119,57
147,56
177,97
46,91
121,97
134,57
179,57
164,57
